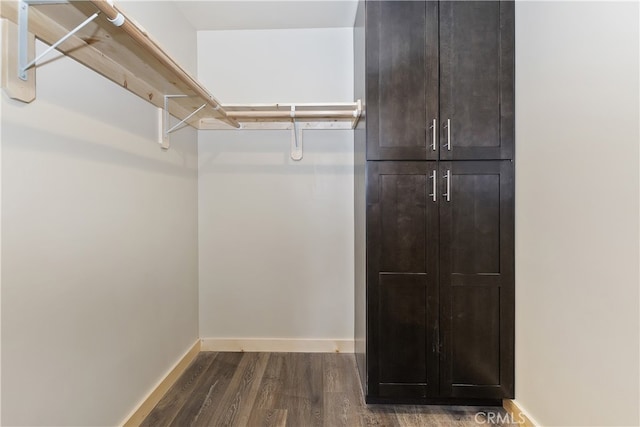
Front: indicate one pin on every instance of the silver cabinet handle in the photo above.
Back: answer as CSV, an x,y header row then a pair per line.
x,y
434,188
448,127
447,176
434,134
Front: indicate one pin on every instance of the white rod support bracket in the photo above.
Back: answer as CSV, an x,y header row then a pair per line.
x,y
23,34
118,21
296,142
296,137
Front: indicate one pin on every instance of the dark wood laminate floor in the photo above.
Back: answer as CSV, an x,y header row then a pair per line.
x,y
290,389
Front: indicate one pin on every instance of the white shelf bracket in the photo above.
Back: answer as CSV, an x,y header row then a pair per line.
x,y
296,137
23,36
164,121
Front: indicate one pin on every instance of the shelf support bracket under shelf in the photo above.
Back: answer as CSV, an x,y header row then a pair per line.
x,y
164,121
23,36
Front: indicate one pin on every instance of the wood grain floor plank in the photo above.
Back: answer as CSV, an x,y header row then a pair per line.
x,y
272,383
349,376
268,418
313,367
289,397
378,415
171,403
340,410
301,395
342,395
235,406
408,415
250,400
211,411
332,373
205,399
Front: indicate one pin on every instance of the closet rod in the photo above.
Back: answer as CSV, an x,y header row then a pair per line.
x,y
113,14
298,114
296,104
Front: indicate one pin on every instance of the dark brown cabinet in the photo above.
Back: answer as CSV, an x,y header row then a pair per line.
x,y
440,279
440,80
434,201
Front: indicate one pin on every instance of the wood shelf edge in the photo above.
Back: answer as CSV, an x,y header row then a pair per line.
x,y
125,75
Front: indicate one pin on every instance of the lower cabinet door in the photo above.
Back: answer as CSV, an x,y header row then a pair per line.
x,y
402,299
477,279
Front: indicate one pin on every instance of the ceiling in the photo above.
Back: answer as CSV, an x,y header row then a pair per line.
x,y
266,14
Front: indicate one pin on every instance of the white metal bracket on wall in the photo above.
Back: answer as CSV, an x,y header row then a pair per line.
x,y
23,34
164,121
296,137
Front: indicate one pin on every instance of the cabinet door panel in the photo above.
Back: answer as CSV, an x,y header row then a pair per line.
x,y
475,224
402,323
403,205
475,335
477,280
402,234
402,79
476,80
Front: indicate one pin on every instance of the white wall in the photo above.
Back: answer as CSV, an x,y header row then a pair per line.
x,y
276,236
99,250
577,334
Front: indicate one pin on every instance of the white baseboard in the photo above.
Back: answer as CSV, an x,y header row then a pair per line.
x,y
278,345
144,408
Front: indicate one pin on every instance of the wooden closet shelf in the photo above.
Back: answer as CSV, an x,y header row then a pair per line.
x,y
129,56
339,115
125,54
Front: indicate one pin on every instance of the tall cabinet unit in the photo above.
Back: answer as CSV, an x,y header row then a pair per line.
x,y
435,201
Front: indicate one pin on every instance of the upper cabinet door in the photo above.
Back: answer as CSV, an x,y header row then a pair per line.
x,y
402,80
476,80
